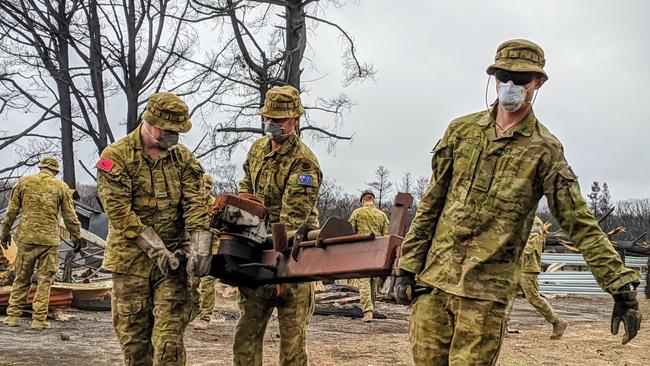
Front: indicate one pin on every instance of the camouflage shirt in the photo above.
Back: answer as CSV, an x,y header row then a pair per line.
x,y
474,220
532,258
138,191
368,220
40,198
287,179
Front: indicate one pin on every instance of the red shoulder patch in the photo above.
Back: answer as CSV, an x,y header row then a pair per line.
x,y
105,165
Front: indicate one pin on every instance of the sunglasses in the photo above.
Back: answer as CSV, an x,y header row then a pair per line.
x,y
518,78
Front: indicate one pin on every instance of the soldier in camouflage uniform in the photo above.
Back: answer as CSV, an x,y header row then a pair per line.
x,y
490,170
207,290
151,188
531,267
367,220
39,198
284,173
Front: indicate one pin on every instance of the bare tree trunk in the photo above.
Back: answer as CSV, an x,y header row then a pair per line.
x,y
295,42
96,76
65,101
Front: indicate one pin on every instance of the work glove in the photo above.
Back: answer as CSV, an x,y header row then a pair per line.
x,y
626,309
76,245
5,240
200,254
154,248
403,287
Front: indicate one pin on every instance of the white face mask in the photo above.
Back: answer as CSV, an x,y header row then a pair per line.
x,y
511,97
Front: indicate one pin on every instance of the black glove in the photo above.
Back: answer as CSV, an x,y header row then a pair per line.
x,y
626,309
403,287
5,240
76,245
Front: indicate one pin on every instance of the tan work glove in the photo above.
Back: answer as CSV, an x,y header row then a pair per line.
x,y
200,255
154,248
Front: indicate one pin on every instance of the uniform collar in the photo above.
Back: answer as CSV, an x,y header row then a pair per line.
x,y
136,138
524,128
285,147
136,142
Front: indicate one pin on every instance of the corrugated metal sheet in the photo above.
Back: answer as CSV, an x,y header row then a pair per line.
x,y
578,260
581,282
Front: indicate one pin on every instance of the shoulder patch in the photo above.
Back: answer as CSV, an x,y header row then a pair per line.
x,y
105,165
305,179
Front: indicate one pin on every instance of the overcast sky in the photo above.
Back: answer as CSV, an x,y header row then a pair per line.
x,y
431,58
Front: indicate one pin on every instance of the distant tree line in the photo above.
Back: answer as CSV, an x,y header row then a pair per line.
x,y
335,201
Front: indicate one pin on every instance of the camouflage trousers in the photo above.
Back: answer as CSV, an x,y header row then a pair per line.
x,y
446,329
530,287
150,316
29,256
204,301
295,303
367,292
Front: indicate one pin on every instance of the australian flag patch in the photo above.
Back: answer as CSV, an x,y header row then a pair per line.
x,y
305,180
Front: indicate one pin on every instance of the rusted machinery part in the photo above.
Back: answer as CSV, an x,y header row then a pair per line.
x,y
246,202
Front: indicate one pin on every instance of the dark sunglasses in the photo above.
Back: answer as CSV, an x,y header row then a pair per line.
x,y
518,78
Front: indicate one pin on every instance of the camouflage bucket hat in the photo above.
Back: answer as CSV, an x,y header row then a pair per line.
x,y
207,181
365,192
167,112
282,102
519,55
49,163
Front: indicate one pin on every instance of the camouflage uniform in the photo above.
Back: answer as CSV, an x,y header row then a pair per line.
x,y
206,299
288,180
472,224
368,220
39,198
150,309
531,267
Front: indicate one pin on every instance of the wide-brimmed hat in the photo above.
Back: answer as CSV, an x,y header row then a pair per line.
x,y
168,112
49,163
519,55
282,102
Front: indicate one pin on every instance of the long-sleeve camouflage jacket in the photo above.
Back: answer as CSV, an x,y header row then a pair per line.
x,y
473,222
287,179
138,191
368,220
40,198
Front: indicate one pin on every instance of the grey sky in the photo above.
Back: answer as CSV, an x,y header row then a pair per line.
x,y
431,58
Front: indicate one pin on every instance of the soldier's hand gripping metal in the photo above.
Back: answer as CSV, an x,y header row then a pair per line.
x,y
626,309
200,255
404,287
155,248
5,240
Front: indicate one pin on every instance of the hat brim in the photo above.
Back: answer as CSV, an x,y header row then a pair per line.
x,y
165,124
283,114
49,167
517,66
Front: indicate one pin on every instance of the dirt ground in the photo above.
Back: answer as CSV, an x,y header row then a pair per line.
x,y
343,341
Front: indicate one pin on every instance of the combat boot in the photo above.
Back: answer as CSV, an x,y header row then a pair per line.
x,y
12,321
367,317
558,328
40,324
